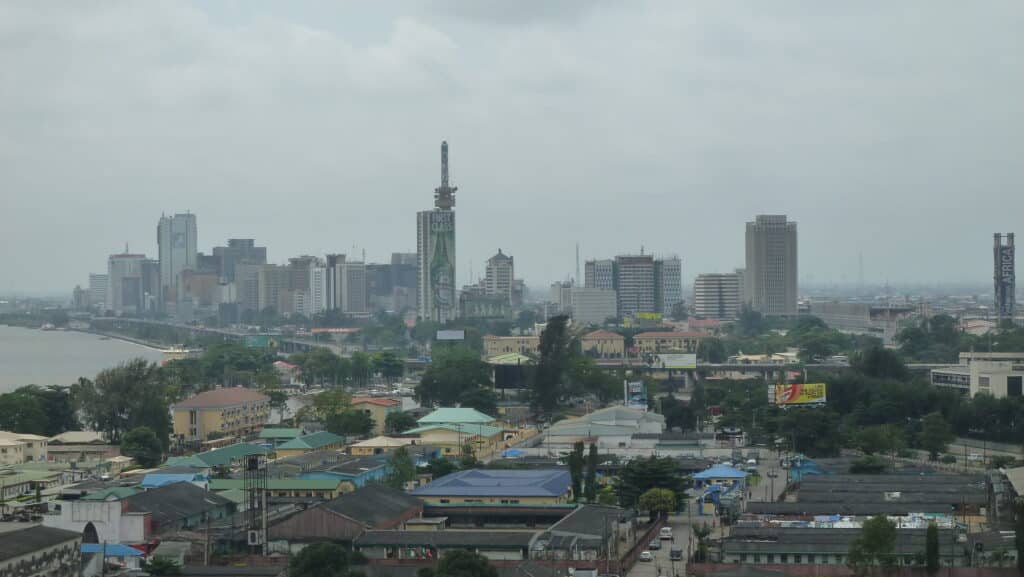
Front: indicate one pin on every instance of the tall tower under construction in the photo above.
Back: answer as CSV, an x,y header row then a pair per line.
x,y
435,252
1004,276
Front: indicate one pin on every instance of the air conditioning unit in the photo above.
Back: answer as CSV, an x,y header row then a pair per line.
x,y
255,538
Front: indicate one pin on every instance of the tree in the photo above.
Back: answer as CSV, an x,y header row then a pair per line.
x,y
362,367
468,458
388,365
329,403
590,489
678,414
875,545
879,439
935,434
439,467
403,469
452,371
549,377
127,396
351,422
482,399
160,566
879,362
606,496
658,502
142,444
931,548
711,350
398,422
639,475
576,470
320,560
462,563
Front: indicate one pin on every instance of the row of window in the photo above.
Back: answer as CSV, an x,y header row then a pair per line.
x,y
811,558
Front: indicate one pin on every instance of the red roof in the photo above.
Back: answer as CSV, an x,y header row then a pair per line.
x,y
376,401
222,398
602,334
671,335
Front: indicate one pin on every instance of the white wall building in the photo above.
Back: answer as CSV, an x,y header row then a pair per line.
x,y
717,296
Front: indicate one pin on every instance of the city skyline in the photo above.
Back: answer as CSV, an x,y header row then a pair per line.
x,y
873,162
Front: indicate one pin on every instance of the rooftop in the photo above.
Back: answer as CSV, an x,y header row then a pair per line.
x,y
278,484
280,433
720,472
447,539
603,334
313,441
379,401
227,397
499,483
218,457
383,442
456,415
171,503
465,429
671,335
373,505
27,541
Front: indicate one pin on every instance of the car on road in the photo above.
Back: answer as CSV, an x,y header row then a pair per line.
x,y
665,533
646,556
654,545
675,553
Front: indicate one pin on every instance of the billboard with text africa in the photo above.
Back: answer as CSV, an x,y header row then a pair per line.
x,y
800,394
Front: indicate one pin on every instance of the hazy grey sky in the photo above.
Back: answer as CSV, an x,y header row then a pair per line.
x,y
895,129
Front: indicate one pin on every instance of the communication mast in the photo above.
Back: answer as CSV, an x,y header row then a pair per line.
x,y
255,483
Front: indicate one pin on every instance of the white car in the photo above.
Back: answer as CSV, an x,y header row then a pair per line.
x,y
646,556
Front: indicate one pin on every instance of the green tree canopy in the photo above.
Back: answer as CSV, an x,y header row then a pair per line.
x,y
403,469
658,501
461,563
935,434
875,546
37,410
127,396
142,444
452,371
320,560
549,379
931,548
399,422
482,399
640,475
350,423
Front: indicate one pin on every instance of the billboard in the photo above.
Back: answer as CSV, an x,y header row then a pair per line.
x,y
635,394
451,335
259,341
799,394
1005,279
441,264
677,361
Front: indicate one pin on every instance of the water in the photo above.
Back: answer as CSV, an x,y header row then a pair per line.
x,y
32,356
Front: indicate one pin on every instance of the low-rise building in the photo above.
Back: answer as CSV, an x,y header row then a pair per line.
x,y
431,545
609,428
303,489
588,533
603,345
277,436
234,412
524,345
656,342
225,457
378,409
77,446
22,448
320,441
378,445
501,487
451,439
997,374
40,551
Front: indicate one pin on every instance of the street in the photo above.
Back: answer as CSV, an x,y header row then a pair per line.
x,y
662,565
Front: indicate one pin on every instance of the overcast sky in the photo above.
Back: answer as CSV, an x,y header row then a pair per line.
x,y
891,129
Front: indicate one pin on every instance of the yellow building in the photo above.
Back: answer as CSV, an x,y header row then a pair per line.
x,y
524,345
452,437
498,487
603,345
236,412
378,408
323,489
377,445
668,342
32,447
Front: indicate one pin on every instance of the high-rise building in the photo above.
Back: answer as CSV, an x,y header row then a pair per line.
x,y
635,284
668,283
80,298
717,296
176,239
352,296
1004,276
238,251
560,298
499,276
124,293
272,288
592,306
770,282
435,249
98,286
599,274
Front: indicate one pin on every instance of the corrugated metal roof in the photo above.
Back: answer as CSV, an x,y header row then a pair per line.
x,y
456,415
499,483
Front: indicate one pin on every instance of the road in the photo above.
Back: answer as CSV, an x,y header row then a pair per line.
x,y
662,565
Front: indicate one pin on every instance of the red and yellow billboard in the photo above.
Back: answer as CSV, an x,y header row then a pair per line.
x,y
804,394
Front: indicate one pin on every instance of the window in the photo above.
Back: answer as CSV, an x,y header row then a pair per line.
x,y
757,558
797,558
1013,386
445,501
839,559
743,557
771,557
810,558
983,381
784,558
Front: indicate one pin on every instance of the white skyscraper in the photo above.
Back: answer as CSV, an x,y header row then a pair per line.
x,y
668,274
176,238
717,296
499,276
770,282
599,274
98,287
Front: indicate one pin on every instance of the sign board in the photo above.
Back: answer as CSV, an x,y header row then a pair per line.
x,y
799,394
677,361
1005,281
649,316
259,341
635,394
451,335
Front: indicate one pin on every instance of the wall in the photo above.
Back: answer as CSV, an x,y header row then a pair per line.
x,y
61,560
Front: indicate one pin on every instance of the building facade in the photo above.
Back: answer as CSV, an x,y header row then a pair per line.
x,y
499,276
98,285
1004,276
41,552
236,412
667,342
717,296
635,286
770,279
238,251
599,274
592,306
524,345
997,374
124,291
668,283
177,242
352,297
603,345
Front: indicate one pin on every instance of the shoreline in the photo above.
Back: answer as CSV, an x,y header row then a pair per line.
x,y
139,342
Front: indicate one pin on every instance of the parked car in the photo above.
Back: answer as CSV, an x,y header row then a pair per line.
x,y
646,556
654,545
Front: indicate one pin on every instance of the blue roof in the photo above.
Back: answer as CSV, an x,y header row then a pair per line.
x,y
152,480
720,472
111,550
499,483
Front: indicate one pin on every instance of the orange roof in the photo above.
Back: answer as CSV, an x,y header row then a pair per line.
x,y
376,401
222,398
670,335
602,334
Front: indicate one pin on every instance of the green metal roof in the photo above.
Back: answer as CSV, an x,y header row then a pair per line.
x,y
313,441
456,415
19,476
482,430
236,496
280,433
279,484
188,461
111,494
510,359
